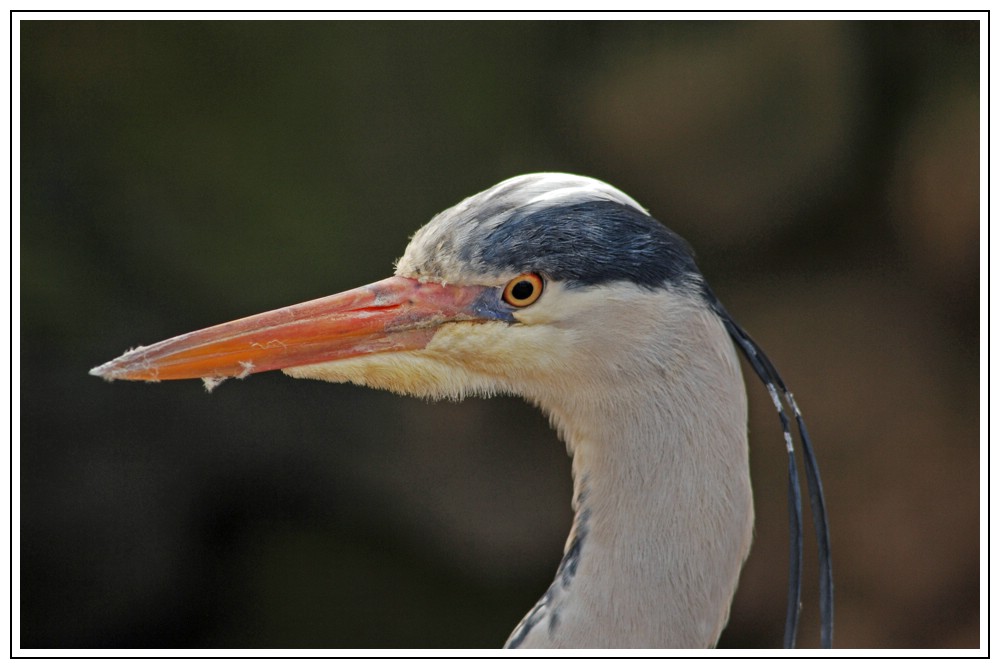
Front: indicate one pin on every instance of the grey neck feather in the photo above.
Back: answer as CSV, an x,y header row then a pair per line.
x,y
663,504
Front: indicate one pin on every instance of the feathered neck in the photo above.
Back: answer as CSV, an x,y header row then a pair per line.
x,y
662,497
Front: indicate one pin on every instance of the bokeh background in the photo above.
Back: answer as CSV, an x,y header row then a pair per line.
x,y
178,174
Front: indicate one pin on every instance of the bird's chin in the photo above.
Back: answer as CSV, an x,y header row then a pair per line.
x,y
414,373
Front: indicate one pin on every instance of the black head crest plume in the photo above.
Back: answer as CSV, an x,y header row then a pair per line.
x,y
767,373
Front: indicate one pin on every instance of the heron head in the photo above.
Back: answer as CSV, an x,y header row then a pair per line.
x,y
511,289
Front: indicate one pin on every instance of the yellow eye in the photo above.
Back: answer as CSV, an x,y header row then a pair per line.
x,y
523,290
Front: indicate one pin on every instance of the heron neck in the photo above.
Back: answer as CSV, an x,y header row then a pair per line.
x,y
663,507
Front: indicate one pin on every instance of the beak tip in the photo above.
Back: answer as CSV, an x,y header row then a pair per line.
x,y
121,369
103,371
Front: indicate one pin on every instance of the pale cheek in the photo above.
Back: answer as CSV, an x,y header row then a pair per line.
x,y
512,353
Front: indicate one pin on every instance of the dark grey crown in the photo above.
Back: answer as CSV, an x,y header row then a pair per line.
x,y
568,228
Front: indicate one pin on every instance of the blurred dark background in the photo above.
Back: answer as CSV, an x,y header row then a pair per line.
x,y
180,174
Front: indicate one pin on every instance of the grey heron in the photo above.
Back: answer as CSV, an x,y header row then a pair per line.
x,y
565,291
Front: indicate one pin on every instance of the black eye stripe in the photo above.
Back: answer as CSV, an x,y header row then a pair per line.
x,y
583,244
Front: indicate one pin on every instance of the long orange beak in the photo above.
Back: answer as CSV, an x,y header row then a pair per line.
x,y
396,314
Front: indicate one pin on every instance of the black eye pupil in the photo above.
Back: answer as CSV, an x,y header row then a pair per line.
x,y
522,290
